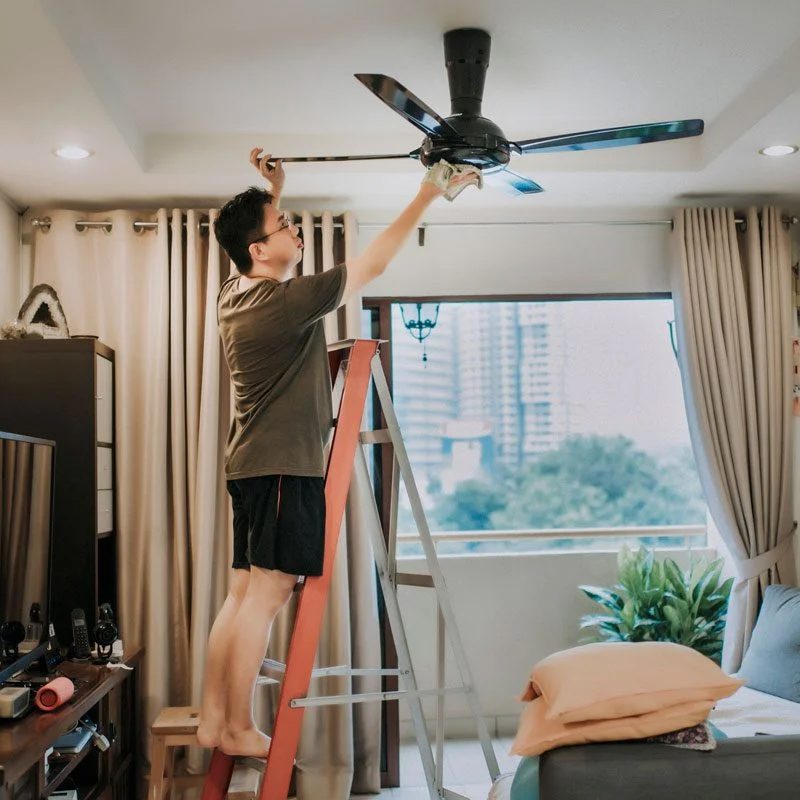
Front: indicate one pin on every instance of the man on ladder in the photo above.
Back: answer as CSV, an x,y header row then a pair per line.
x,y
274,343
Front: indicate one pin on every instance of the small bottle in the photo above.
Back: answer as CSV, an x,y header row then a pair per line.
x,y
33,630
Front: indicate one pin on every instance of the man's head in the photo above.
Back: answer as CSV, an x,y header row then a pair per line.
x,y
260,239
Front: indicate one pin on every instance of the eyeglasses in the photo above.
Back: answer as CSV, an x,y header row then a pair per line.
x,y
285,222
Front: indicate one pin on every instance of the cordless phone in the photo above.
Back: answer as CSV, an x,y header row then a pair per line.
x,y
81,648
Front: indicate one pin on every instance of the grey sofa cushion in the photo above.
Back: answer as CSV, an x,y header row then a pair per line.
x,y
772,662
751,768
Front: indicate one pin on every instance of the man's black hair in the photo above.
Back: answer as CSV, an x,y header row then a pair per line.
x,y
239,222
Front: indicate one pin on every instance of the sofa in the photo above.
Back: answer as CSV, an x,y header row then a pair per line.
x,y
757,731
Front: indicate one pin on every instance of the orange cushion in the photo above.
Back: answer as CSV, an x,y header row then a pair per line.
x,y
610,680
536,733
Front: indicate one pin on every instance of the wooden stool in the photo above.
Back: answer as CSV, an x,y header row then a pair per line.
x,y
176,726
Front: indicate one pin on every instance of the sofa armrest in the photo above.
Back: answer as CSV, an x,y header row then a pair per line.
x,y
739,769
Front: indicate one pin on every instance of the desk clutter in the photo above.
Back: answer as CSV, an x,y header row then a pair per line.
x,y
29,676
79,733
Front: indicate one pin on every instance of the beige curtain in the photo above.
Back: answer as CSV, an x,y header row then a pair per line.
x,y
339,750
732,295
127,287
151,295
25,509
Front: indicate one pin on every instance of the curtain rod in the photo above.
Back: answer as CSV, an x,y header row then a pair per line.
x,y
45,222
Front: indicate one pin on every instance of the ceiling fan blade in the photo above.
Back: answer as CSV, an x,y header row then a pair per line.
x,y
513,183
412,154
408,105
613,137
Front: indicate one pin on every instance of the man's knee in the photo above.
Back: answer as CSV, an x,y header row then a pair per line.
x,y
271,586
239,583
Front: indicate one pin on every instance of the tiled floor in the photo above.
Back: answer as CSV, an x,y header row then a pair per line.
x,y
465,770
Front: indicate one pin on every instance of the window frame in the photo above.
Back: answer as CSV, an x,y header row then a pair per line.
x,y
380,309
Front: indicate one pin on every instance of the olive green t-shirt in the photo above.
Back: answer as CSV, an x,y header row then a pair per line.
x,y
274,342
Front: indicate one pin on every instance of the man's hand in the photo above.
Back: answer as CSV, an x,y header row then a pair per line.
x,y
430,191
272,172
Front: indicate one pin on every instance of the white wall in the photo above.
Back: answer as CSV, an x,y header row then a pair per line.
x,y
511,611
9,261
526,259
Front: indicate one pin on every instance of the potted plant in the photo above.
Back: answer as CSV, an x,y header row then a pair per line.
x,y
657,601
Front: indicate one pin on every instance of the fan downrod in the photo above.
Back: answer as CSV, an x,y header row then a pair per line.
x,y
466,56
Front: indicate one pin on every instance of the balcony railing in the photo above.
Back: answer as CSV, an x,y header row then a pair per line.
x,y
683,531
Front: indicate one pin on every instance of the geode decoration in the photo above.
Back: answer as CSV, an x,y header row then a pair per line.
x,y
41,316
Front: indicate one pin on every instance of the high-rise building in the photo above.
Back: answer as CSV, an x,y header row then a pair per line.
x,y
542,377
512,374
488,348
498,364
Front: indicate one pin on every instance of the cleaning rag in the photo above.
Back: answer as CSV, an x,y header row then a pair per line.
x,y
442,172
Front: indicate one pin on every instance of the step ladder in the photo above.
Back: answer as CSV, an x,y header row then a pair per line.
x,y
354,364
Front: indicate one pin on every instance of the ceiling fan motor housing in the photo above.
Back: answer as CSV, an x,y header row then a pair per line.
x,y
466,55
487,151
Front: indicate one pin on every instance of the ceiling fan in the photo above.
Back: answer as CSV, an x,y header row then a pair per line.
x,y
467,137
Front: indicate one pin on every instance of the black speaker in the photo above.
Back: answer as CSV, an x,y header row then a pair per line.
x,y
105,631
11,634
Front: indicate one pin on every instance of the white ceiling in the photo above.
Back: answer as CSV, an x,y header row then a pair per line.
x,y
171,95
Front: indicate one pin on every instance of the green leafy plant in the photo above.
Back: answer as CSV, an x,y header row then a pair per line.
x,y
657,601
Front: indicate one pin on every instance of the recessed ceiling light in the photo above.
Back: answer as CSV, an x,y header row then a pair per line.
x,y
778,150
72,152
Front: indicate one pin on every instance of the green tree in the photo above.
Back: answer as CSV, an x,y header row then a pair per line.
x,y
589,481
535,500
469,507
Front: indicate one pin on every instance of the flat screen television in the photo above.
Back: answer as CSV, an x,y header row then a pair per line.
x,y
27,469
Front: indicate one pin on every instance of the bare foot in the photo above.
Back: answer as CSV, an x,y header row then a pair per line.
x,y
208,732
249,742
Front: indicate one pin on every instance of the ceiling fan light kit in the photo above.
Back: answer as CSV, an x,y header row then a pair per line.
x,y
466,137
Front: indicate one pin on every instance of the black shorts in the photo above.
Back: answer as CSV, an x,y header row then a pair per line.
x,y
279,523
